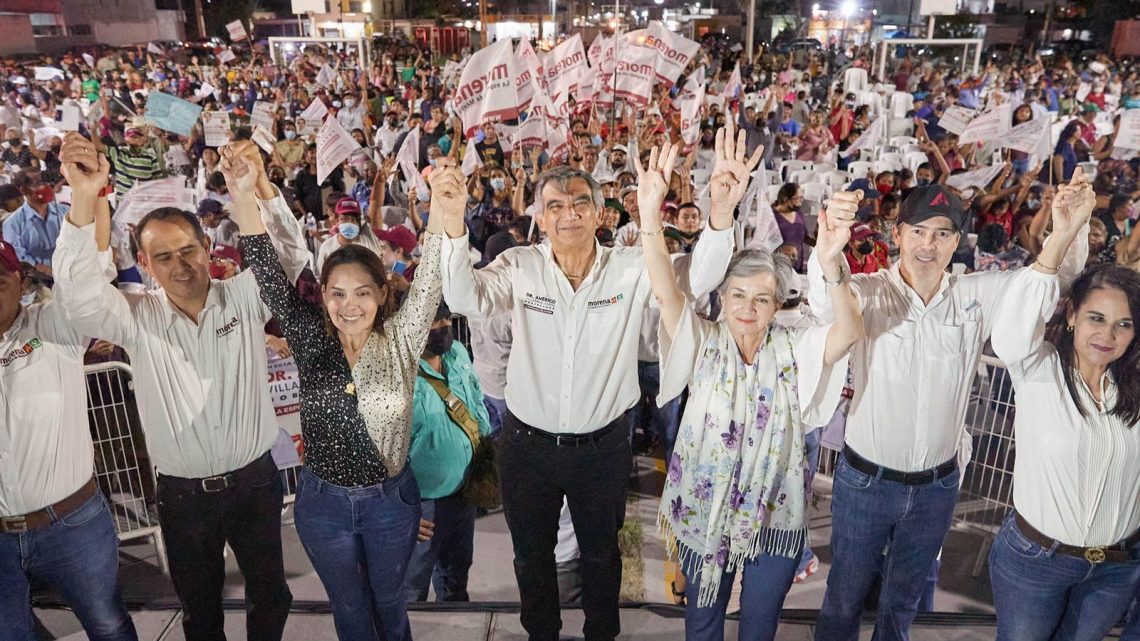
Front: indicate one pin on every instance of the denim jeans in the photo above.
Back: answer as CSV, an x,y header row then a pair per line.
x,y
594,477
496,410
868,515
359,540
1043,595
1131,630
78,556
663,421
444,561
198,525
765,583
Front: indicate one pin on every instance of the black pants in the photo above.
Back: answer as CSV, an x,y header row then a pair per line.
x,y
536,473
197,525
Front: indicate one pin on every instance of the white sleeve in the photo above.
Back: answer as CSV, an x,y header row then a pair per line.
x,y
94,305
286,234
1019,325
680,354
820,385
475,294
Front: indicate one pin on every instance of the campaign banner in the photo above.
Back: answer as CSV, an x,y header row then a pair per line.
x,y
216,127
1027,136
956,118
262,114
227,55
48,73
334,146
326,76
237,31
1129,134
155,49
309,122
674,52
170,113
866,140
471,160
635,75
733,86
756,208
263,138
285,392
408,159
690,105
989,126
525,80
486,91
980,178
564,66
147,195
532,131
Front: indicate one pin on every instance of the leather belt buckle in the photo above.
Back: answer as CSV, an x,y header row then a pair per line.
x,y
558,440
13,525
215,484
1095,555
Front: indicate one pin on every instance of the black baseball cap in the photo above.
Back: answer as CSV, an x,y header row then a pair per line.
x,y
932,201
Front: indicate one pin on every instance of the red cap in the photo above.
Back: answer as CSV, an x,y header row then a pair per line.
x,y
861,231
399,236
347,206
8,259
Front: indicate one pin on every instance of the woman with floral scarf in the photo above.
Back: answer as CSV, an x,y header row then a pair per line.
x,y
736,494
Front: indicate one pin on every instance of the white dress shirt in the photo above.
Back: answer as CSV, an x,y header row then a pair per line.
x,y
491,347
573,364
1076,477
202,390
914,368
628,235
45,444
331,244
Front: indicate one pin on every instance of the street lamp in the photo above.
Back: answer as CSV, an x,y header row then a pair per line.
x,y
848,9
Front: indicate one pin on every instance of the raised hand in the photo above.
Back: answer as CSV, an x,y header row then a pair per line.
x,y
85,169
448,193
79,150
1074,204
731,170
834,226
240,172
653,184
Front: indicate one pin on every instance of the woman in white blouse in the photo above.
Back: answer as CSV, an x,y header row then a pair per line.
x,y
736,492
1066,563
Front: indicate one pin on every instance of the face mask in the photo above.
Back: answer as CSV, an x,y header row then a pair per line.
x,y
45,194
289,135
28,298
392,123
336,103
884,189
498,184
922,182
432,161
349,230
439,341
423,196
1033,203
235,97
351,102
865,247
13,142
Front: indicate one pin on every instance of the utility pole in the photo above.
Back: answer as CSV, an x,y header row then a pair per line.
x,y
751,27
201,19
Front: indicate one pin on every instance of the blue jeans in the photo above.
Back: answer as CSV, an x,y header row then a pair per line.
x,y
663,421
78,556
445,560
496,410
359,540
1040,594
765,584
868,515
1131,630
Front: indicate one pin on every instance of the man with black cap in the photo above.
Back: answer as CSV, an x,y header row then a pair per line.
x,y
217,224
448,416
897,480
55,527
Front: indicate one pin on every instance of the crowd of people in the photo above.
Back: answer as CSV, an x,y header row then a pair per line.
x,y
759,248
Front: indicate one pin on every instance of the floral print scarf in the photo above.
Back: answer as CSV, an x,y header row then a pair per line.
x,y
736,485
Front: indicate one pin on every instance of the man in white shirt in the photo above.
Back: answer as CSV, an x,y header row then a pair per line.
x,y
54,524
897,481
576,310
198,351
629,234
389,132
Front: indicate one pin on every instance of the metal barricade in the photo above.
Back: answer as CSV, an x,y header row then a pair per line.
x,y
122,467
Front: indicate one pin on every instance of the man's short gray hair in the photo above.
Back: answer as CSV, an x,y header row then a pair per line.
x,y
750,262
561,176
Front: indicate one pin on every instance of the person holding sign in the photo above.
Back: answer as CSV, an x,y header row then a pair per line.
x,y
735,496
217,483
897,479
358,504
576,312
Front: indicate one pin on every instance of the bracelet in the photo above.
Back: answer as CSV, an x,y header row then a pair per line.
x,y
1048,268
836,283
651,233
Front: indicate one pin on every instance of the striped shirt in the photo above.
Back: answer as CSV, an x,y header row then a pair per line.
x,y
131,166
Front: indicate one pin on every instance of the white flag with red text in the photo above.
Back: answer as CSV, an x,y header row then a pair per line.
x,y
486,91
635,75
674,52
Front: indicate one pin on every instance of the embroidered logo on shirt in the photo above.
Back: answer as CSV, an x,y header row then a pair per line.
x,y
538,303
21,352
604,303
228,327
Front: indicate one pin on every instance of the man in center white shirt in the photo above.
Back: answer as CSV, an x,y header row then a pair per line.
x,y
576,310
197,348
897,481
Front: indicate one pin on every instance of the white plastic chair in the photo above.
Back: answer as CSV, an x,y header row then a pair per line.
x,y
887,165
859,169
902,141
834,180
788,167
891,156
802,176
773,191
915,158
815,192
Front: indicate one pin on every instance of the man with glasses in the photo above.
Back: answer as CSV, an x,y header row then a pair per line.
x,y
897,481
33,228
576,314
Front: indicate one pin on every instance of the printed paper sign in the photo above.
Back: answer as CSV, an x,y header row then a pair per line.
x,y
872,135
155,49
89,59
70,119
408,158
326,76
147,195
1027,136
216,126
48,73
334,146
1129,136
691,115
990,125
171,114
227,55
486,91
263,138
956,118
237,31
981,177
262,115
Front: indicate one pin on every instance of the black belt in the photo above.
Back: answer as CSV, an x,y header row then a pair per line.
x,y
906,478
564,440
212,484
1115,553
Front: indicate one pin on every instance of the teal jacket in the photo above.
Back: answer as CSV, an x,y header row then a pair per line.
x,y
440,451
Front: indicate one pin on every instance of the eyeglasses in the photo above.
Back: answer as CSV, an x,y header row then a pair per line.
x,y
581,206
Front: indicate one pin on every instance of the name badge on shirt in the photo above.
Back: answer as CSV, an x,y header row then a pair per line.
x,y
540,304
603,304
20,352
